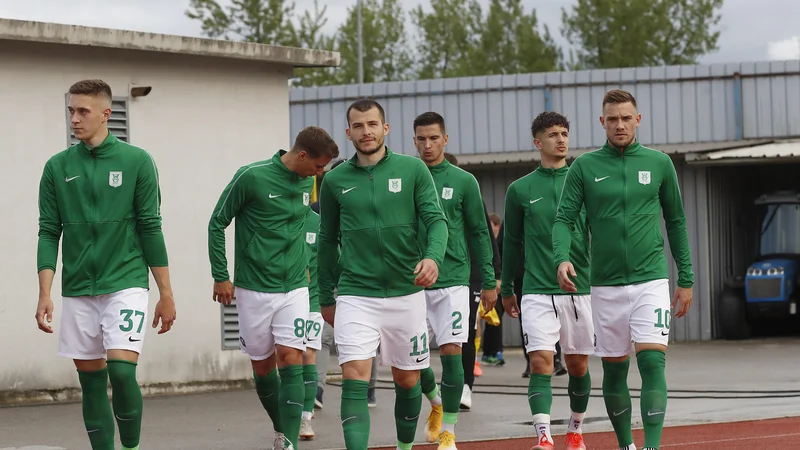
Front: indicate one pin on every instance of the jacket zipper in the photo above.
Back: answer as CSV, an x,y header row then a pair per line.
x,y
625,218
377,225
93,222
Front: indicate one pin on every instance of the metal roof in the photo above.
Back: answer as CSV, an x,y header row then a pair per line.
x,y
774,152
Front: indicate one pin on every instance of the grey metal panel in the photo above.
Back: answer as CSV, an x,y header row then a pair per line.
x,y
230,326
118,123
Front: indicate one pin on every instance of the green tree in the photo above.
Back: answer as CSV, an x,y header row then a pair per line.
x,y
448,38
260,21
385,44
636,33
309,35
510,42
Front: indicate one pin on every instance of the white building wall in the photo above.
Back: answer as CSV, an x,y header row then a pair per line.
x,y
203,119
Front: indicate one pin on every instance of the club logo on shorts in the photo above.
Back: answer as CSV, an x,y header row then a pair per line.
x,y
115,179
644,177
311,238
395,184
447,193
306,198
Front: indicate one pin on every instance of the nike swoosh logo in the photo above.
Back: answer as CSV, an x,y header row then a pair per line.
x,y
580,395
70,179
533,395
617,413
654,413
274,196
412,418
423,359
266,396
600,179
310,382
293,403
665,333
345,191
534,201
131,339
120,418
345,420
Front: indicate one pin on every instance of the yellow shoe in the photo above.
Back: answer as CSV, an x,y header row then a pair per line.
x,y
447,441
434,426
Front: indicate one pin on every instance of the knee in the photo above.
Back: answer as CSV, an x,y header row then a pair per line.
x,y
406,379
264,367
288,356
122,373
577,365
450,349
542,362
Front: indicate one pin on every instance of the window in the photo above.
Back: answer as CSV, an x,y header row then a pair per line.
x,y
117,123
230,326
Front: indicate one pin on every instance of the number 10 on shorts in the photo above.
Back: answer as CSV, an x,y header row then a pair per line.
x,y
415,341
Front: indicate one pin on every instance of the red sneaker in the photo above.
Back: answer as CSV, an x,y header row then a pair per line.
x,y
575,441
544,444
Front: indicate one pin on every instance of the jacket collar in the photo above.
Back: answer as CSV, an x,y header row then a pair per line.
x,y
629,150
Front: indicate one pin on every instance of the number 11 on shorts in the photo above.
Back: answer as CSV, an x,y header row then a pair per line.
x,y
415,351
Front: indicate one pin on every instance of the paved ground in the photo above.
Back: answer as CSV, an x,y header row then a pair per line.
x,y
709,382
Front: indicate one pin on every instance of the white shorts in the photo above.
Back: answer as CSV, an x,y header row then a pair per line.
x,y
624,315
90,326
397,324
548,319
269,319
448,314
314,326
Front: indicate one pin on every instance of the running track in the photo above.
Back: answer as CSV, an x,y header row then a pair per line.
x,y
761,434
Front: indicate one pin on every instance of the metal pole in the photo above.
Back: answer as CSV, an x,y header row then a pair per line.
x,y
360,47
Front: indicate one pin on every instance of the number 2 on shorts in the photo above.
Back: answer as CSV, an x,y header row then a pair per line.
x,y
457,322
415,345
126,316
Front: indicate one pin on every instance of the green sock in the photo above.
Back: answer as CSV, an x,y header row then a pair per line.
x,y
310,383
579,390
652,364
267,388
291,398
617,398
127,401
427,382
97,415
452,387
540,394
354,414
407,406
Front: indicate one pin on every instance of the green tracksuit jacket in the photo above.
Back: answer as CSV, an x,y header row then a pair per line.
x,y
310,232
107,203
460,198
624,194
270,204
375,211
531,203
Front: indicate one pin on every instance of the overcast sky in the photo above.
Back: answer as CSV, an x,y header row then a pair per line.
x,y
749,33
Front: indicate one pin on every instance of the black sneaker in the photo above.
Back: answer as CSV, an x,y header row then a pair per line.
x,y
371,401
559,369
318,399
527,372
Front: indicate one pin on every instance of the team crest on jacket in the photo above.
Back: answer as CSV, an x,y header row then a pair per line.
x,y
644,177
115,179
395,184
447,193
306,200
311,238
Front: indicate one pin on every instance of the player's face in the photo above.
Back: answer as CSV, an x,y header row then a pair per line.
x,y
367,131
620,121
87,114
430,143
309,167
553,142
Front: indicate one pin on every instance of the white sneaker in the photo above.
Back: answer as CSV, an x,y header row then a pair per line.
x,y
306,432
281,443
466,398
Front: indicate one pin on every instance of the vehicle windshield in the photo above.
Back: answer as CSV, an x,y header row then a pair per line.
x,y
780,229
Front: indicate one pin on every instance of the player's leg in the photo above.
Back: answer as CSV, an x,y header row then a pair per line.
x,y
540,333
357,334
124,326
577,343
611,309
404,346
323,357
650,322
313,344
427,379
468,350
289,330
81,339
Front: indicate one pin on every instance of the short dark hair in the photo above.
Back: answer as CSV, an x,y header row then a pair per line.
x,y
451,158
495,218
546,120
316,142
429,118
364,105
617,96
94,88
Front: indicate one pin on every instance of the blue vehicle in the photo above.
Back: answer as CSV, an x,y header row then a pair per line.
x,y
769,289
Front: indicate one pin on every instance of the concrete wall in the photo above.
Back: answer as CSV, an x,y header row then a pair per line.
x,y
203,119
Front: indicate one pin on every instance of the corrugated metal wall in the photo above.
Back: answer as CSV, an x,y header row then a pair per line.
x,y
679,104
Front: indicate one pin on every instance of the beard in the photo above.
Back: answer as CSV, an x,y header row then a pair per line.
x,y
623,143
378,145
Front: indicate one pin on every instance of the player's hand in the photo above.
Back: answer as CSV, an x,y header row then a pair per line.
x,y
329,314
488,299
44,312
565,271
165,312
683,299
224,292
427,273
510,304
